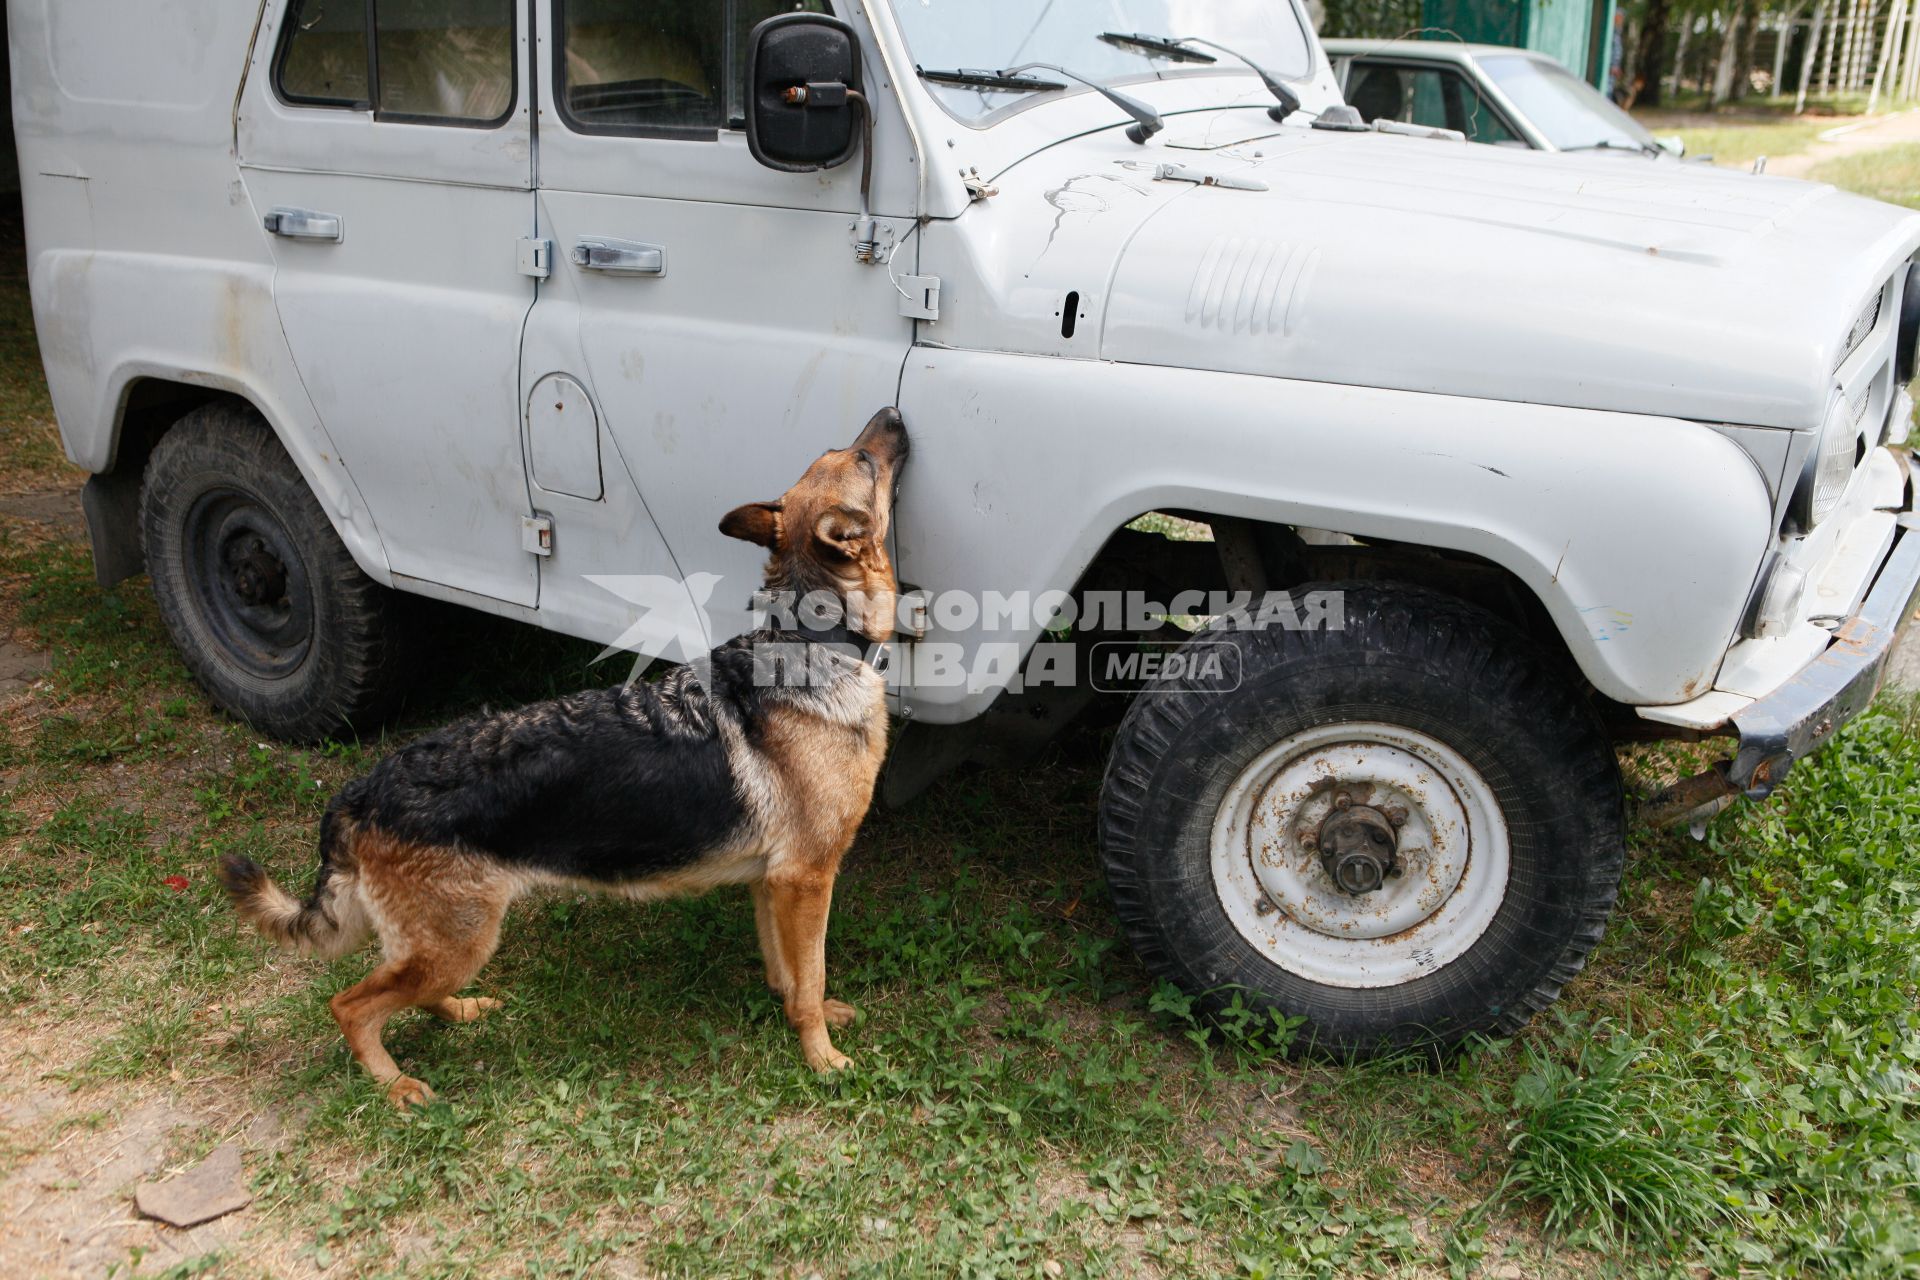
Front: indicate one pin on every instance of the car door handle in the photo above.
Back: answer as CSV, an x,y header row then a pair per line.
x,y
626,257
305,224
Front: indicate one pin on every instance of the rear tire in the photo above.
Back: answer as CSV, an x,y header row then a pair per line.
x,y
274,619
1494,805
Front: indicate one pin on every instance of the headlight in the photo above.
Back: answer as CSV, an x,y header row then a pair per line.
x,y
1906,353
1823,478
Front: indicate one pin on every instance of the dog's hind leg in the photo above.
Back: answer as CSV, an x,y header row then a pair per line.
x,y
362,1011
462,1008
439,921
799,909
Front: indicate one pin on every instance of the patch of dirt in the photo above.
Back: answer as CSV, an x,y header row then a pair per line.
x,y
20,666
56,509
69,1162
1850,139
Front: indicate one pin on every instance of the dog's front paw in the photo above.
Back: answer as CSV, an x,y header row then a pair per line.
x,y
839,1013
407,1092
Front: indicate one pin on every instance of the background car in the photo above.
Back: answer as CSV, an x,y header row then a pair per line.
x,y
1491,93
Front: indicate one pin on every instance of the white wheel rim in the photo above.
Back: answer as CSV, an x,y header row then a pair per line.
x,y
1453,855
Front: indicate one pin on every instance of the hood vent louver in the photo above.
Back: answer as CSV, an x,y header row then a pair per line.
x,y
1250,286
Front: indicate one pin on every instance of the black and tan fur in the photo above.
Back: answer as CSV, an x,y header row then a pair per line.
x,y
647,792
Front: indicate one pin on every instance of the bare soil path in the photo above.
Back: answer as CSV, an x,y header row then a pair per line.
x,y
1850,139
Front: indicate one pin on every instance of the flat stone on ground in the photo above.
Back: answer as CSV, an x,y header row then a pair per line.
x,y
208,1190
20,666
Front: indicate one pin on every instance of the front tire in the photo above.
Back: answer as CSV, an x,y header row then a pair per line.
x,y
1404,830
274,619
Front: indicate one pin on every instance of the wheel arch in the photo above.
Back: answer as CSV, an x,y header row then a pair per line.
x,y
147,401
1636,537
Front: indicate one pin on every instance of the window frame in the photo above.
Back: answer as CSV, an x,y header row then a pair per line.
x,y
667,133
289,27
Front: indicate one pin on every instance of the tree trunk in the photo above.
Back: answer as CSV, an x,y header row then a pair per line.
x,y
1863,45
1629,61
1724,66
1782,37
1820,8
1680,52
1644,89
1910,82
1833,38
1889,43
1749,45
1845,38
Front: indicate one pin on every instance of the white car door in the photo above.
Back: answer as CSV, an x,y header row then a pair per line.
x,y
708,311
392,169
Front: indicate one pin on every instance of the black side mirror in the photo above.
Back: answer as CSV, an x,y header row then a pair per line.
x,y
803,92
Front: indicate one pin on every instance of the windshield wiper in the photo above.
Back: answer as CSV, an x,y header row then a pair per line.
x,y
1156,44
1015,80
1175,48
1645,149
990,80
1146,121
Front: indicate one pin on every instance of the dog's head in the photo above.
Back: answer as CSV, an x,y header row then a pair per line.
x,y
829,532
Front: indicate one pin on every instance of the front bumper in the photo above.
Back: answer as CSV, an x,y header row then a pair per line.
x,y
1795,719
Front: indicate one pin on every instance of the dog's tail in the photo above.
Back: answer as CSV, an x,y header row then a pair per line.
x,y
331,922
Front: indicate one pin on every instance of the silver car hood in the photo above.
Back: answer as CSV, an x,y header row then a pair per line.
x,y
1584,280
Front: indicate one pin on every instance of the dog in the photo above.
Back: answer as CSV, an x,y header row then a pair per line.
x,y
748,776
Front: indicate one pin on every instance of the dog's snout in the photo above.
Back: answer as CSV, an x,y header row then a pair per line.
x,y
885,436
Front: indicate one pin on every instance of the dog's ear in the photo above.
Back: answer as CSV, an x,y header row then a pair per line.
x,y
756,522
840,534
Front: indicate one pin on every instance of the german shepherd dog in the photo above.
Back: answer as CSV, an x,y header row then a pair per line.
x,y
648,791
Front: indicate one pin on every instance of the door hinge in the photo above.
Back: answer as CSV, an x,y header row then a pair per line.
x,y
920,297
536,534
912,617
536,258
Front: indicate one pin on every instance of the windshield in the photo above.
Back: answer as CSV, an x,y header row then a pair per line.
x,y
1569,111
993,35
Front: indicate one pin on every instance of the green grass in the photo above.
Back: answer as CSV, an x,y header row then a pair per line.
x,y
1888,173
1602,1143
1741,145
1696,102
1728,1090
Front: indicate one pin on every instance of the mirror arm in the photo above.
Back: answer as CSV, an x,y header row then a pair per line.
x,y
866,236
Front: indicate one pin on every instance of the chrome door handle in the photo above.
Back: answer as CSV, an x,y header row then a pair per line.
x,y
626,257
305,224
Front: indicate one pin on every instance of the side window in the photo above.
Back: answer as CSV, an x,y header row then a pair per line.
x,y
1378,93
674,68
323,54
428,61
1442,99
1446,100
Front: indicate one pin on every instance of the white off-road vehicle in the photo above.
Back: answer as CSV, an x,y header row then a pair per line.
x,y
504,303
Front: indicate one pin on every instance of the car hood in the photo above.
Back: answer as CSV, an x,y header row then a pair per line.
x,y
1435,266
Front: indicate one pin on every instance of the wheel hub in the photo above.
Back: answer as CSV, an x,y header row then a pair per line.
x,y
258,575
248,582
1360,854
1359,846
